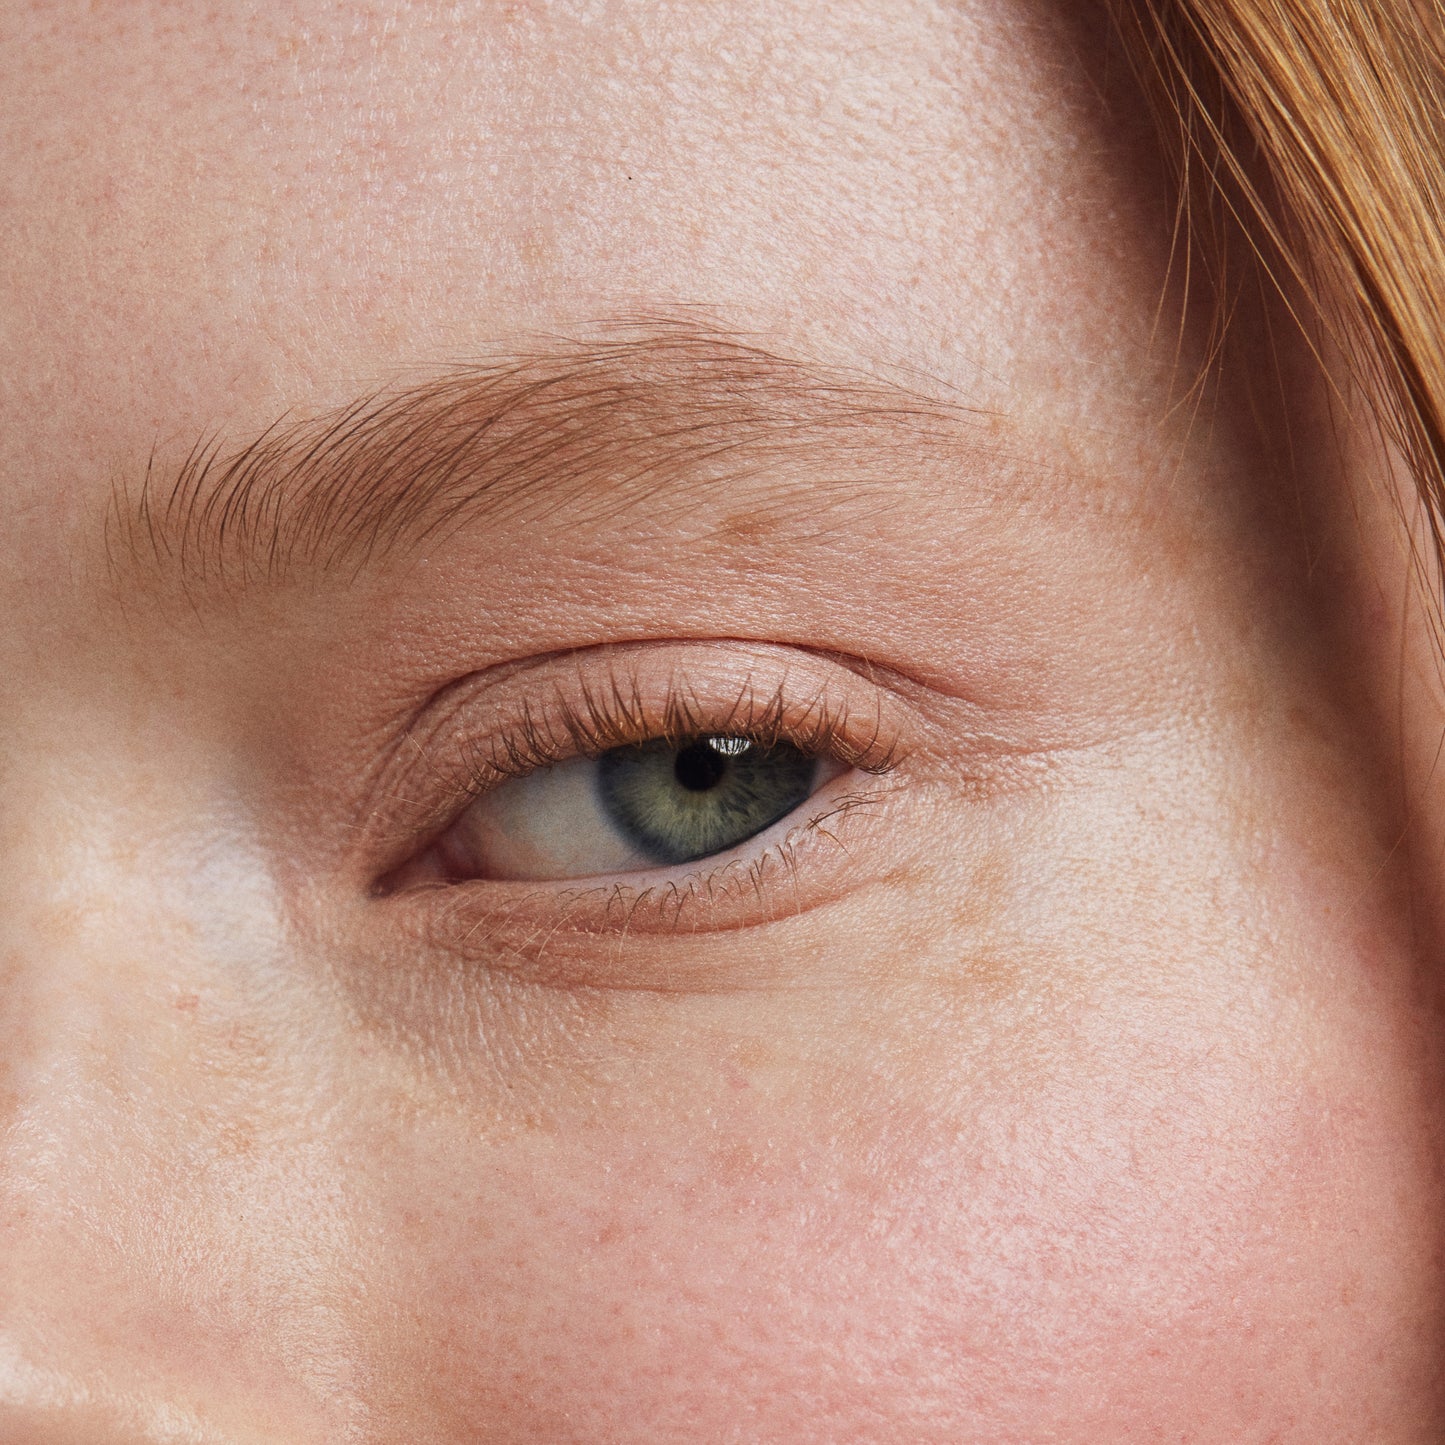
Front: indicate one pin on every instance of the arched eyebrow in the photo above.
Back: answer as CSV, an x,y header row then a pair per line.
x,y
570,429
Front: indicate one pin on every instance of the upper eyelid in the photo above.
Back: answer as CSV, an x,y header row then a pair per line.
x,y
600,724
586,692
443,759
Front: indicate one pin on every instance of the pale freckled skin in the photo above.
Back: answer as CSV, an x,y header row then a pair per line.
x,y
1083,1087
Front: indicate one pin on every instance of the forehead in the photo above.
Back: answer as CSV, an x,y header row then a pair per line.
x,y
219,215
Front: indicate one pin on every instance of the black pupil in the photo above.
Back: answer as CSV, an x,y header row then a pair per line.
x,y
699,767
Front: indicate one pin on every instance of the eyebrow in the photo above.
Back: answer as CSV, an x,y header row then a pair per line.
x,y
645,414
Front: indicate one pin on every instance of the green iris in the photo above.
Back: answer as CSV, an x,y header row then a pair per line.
x,y
678,802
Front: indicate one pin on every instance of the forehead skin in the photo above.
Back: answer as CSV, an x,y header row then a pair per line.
x,y
418,184
1116,1123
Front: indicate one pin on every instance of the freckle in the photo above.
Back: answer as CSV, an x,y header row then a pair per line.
x,y
737,1164
751,1054
237,1140
747,527
186,1002
976,905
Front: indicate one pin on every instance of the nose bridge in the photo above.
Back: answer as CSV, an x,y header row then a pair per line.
x,y
151,1119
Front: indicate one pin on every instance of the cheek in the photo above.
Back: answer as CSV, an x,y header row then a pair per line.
x,y
1138,1234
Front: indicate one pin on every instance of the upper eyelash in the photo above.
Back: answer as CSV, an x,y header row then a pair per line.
x,y
617,716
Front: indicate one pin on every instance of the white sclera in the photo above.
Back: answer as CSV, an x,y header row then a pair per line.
x,y
547,825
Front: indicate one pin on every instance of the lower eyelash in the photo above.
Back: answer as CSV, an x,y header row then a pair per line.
x,y
704,888
538,930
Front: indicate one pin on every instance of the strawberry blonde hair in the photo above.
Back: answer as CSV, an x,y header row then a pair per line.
x,y
1314,129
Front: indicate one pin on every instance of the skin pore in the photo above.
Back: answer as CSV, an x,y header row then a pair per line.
x,y
391,389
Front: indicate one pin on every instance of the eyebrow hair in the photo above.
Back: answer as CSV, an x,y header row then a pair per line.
x,y
645,413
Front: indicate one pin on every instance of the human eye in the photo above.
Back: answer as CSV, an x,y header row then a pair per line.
x,y
697,783
660,803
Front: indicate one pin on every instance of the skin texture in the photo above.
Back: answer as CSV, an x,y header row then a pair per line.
x,y
1083,1086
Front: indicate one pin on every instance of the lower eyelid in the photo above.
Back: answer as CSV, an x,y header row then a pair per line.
x,y
553,930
